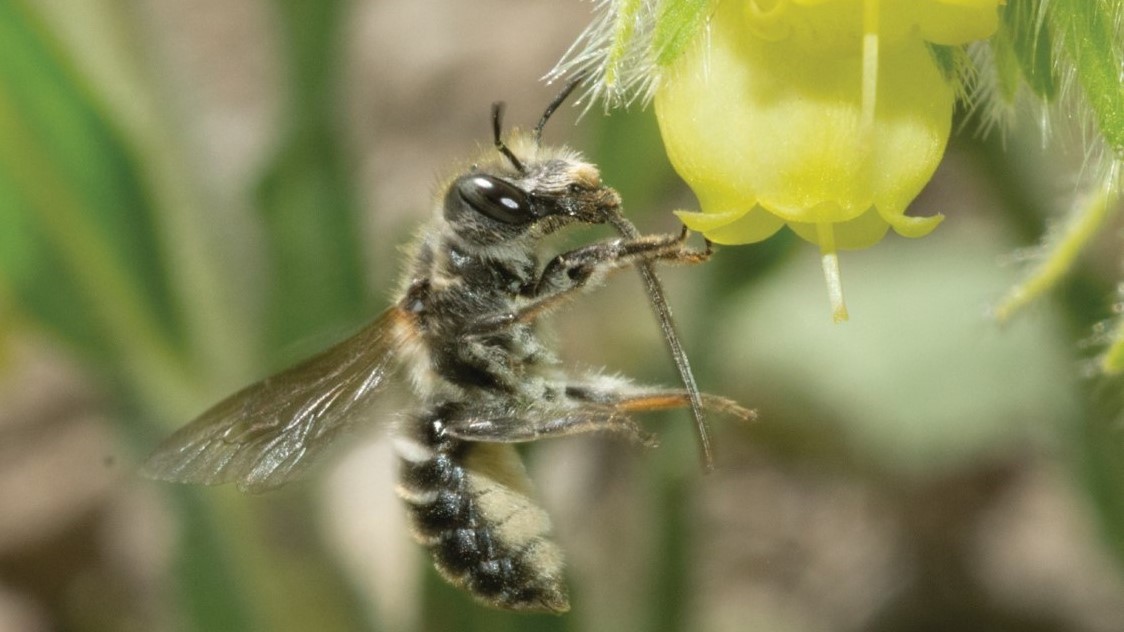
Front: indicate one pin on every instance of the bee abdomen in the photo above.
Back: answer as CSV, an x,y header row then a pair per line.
x,y
470,506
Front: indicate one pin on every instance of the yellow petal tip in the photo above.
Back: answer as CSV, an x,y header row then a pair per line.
x,y
913,227
703,222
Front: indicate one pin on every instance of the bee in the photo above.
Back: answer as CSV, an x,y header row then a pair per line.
x,y
463,333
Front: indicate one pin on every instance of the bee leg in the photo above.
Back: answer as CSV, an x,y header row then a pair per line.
x,y
545,425
591,409
572,271
630,399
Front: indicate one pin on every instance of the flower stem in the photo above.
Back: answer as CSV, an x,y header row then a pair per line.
x,y
1082,226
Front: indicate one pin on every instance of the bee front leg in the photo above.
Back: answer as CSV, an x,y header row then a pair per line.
x,y
575,270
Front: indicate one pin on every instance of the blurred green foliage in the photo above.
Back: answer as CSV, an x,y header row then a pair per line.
x,y
94,243
81,253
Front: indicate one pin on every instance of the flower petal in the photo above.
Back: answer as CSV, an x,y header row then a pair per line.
x,y
913,227
734,227
952,22
750,121
861,232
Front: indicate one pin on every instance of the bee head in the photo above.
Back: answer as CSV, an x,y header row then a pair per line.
x,y
527,189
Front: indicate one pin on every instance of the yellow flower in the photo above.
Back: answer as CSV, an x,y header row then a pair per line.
x,y
827,116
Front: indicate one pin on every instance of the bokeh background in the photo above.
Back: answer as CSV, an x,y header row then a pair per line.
x,y
194,193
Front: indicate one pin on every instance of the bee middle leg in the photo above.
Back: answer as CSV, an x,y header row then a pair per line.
x,y
532,425
587,408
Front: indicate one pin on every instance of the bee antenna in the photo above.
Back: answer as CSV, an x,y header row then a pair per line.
x,y
558,100
497,126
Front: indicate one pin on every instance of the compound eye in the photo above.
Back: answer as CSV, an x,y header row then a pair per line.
x,y
496,198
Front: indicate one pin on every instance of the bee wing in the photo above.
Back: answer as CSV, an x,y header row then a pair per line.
x,y
268,433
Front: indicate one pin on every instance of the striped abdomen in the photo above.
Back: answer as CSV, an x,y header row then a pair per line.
x,y
470,505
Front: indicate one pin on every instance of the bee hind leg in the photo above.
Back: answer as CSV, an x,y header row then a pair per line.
x,y
628,398
671,399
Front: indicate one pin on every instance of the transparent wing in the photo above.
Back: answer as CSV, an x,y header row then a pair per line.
x,y
268,433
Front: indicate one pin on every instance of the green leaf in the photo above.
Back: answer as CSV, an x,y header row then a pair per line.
x,y
312,230
952,60
210,593
1007,70
676,25
1061,251
625,31
80,254
1100,457
1023,39
39,280
307,199
238,571
1089,33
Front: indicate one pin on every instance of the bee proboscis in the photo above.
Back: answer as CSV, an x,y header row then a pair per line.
x,y
463,333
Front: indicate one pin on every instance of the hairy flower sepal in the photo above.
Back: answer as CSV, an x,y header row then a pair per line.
x,y
817,115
